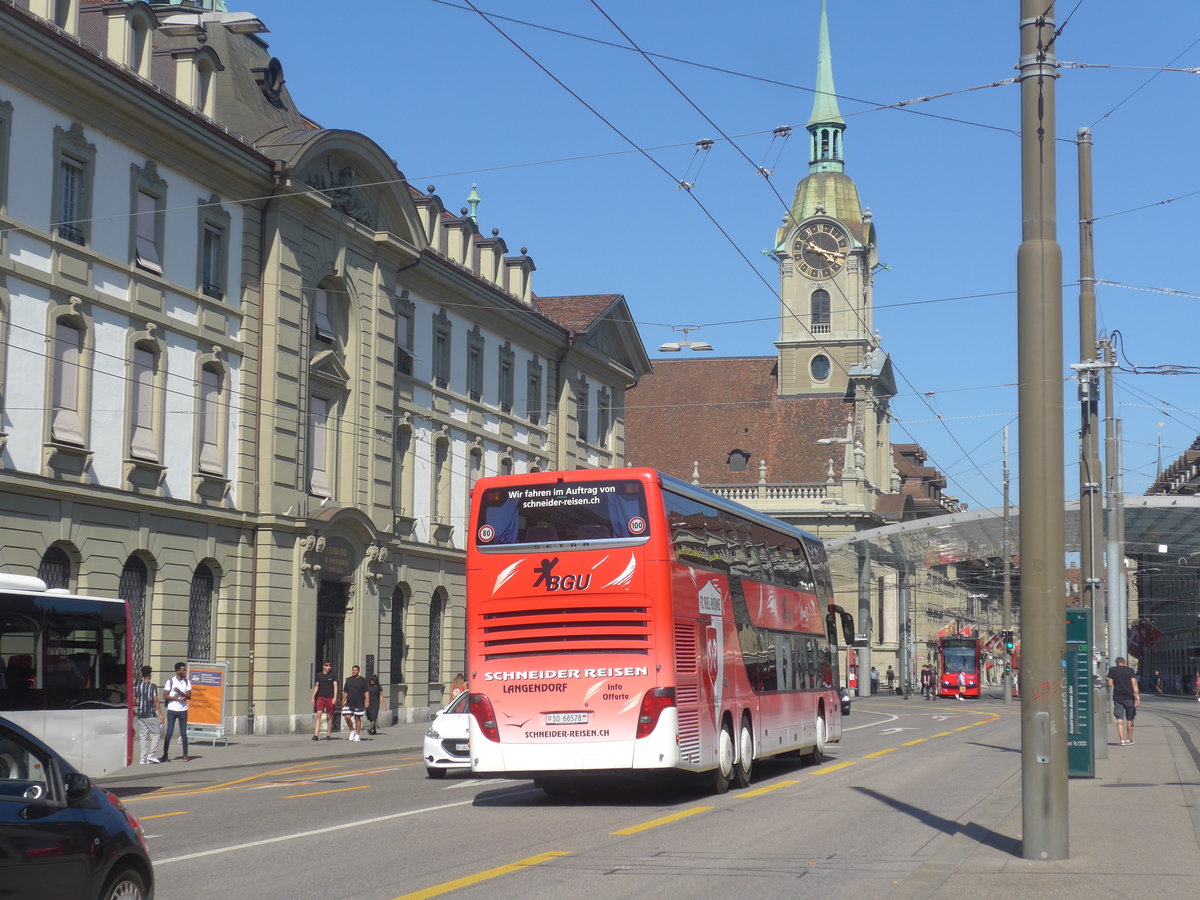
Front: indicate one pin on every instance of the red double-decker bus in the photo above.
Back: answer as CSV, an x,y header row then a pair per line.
x,y
624,620
956,654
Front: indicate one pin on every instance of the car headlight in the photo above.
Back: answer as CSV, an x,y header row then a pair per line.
x,y
433,734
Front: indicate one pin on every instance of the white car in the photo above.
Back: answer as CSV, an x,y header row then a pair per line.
x,y
446,740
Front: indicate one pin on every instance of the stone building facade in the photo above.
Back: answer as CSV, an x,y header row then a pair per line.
x,y
248,374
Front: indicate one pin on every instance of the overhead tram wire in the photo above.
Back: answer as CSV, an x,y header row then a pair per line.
x,y
1145,83
788,212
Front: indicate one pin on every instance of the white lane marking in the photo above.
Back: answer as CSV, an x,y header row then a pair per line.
x,y
888,718
303,834
475,782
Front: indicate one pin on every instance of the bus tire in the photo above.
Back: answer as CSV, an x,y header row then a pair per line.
x,y
745,764
817,755
724,759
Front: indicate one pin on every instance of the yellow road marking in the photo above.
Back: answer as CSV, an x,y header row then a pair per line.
x,y
448,886
965,727
880,752
765,790
834,767
665,820
161,816
303,770
944,733
917,741
361,787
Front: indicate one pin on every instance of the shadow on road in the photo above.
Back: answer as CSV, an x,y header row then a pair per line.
x,y
972,830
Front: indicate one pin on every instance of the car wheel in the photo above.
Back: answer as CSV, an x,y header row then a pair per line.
x,y
125,885
435,773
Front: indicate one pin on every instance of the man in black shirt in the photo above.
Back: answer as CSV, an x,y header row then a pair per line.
x,y
354,699
1126,698
324,692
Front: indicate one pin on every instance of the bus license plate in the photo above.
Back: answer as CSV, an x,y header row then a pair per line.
x,y
574,718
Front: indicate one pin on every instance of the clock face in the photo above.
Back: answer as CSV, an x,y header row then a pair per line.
x,y
820,250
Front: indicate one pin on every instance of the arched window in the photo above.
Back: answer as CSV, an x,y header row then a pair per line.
x,y
55,568
738,460
437,612
399,646
66,423
200,598
135,578
819,310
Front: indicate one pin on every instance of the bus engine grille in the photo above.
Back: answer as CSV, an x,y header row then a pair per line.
x,y
559,631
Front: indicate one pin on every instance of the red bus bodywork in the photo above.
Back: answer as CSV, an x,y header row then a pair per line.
x,y
612,628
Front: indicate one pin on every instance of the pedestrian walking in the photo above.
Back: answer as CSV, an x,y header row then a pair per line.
x,y
891,679
178,691
458,685
149,717
324,693
1198,687
374,701
354,703
1158,683
874,680
1126,698
962,684
927,681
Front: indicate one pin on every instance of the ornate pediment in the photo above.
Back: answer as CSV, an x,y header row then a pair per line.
x,y
338,180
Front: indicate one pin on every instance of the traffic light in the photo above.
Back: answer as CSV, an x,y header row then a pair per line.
x,y
1008,641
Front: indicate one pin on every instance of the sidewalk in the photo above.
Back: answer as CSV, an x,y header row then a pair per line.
x,y
270,749
1134,828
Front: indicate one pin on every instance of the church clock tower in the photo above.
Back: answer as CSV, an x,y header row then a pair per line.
x,y
826,250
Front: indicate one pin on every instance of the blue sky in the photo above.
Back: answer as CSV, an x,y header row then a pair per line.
x,y
455,102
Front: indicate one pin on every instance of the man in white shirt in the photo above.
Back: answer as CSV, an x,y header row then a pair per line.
x,y
178,691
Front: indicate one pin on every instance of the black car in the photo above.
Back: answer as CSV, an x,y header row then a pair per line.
x,y
61,835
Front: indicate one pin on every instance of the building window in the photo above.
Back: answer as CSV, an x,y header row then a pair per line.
x,y
475,364
214,248
819,307
506,466
820,367
436,616
74,160
205,75
143,438
6,109
440,500
210,417
146,229
200,602
135,580
474,467
402,471
323,330
66,423
533,391
398,645
506,387
55,568
64,14
583,408
603,418
441,349
738,460
404,335
319,446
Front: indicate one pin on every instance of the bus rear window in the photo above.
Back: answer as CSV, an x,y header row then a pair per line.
x,y
562,512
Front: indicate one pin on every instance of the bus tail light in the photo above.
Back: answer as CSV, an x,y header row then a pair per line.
x,y
480,707
655,701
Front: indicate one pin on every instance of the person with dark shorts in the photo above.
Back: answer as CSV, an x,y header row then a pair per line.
x,y
374,699
354,699
323,696
1126,698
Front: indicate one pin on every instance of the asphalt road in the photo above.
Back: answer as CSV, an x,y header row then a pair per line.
x,y
908,775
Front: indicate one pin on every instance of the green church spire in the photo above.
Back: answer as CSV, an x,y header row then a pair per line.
x,y
826,124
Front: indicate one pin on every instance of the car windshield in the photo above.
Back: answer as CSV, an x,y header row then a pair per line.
x,y
459,704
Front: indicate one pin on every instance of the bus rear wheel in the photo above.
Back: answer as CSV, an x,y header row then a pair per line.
x,y
724,760
817,755
745,763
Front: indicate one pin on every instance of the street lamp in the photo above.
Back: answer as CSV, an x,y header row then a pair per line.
x,y
676,346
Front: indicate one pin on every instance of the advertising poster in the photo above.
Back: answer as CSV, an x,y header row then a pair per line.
x,y
207,706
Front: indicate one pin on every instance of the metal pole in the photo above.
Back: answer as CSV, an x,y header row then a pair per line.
x,y
1090,525
1114,557
1122,593
1006,618
864,618
1040,372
